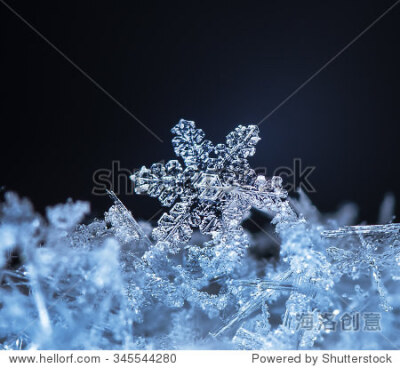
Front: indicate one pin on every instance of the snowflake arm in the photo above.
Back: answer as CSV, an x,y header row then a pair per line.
x,y
189,144
174,226
241,142
161,181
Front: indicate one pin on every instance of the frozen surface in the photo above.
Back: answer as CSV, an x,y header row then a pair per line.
x,y
200,280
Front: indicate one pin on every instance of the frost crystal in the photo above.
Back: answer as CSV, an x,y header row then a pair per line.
x,y
373,248
216,188
306,280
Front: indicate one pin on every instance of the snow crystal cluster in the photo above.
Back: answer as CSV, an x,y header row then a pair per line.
x,y
199,279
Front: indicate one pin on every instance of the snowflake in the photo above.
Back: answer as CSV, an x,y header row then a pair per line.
x,y
214,191
379,251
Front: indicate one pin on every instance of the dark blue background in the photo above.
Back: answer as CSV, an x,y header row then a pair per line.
x,y
218,64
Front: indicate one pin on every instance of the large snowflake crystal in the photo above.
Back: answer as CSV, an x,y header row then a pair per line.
x,y
216,188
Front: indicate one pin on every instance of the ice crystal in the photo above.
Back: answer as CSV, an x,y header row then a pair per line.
x,y
214,190
375,248
306,280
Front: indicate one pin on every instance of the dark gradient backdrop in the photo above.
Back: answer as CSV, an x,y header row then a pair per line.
x,y
219,64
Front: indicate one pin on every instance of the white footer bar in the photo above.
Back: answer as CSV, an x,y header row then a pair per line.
x,y
200,358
